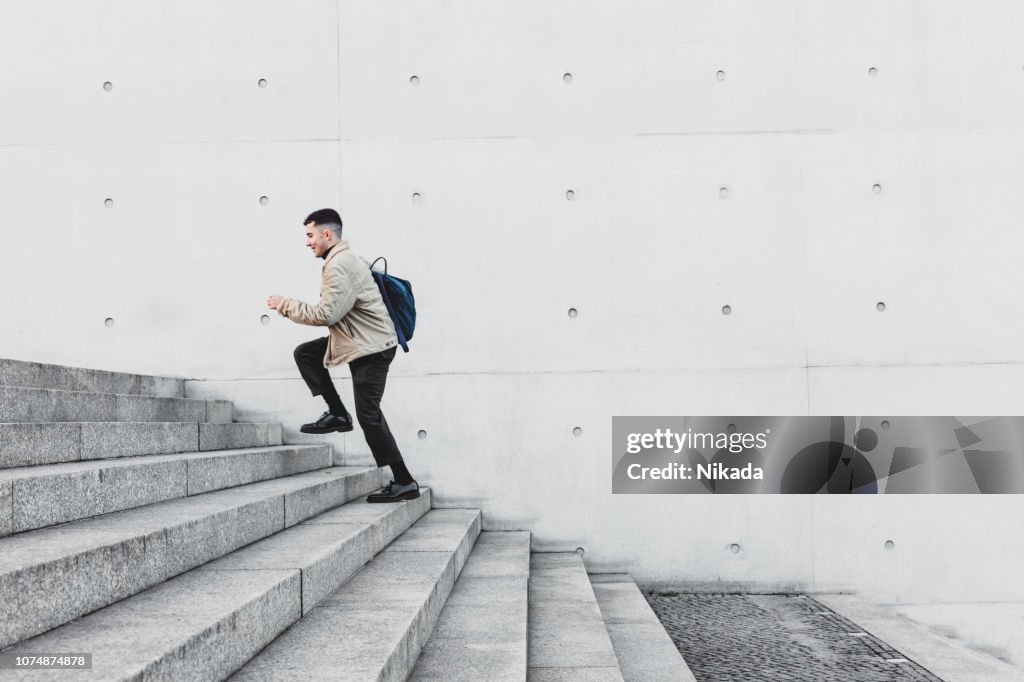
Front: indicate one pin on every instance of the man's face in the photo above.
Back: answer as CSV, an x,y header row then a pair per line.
x,y
318,239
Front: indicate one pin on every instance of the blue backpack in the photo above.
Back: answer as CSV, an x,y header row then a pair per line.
x,y
397,295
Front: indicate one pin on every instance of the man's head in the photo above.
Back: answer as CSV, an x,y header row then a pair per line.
x,y
323,230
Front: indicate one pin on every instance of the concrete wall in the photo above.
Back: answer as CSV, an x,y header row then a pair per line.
x,y
799,161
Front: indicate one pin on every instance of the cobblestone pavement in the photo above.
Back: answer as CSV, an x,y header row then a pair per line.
x,y
775,637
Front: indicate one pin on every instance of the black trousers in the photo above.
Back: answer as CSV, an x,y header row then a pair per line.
x,y
369,375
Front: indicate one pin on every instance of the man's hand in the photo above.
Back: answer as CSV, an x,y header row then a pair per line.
x,y
274,301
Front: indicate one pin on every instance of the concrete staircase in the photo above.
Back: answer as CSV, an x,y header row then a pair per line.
x,y
151,531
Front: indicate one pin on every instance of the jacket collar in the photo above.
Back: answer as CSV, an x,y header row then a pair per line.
x,y
342,245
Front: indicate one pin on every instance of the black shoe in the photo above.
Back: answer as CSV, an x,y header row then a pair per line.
x,y
328,423
395,492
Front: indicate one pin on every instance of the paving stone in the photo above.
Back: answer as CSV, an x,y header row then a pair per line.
x,y
775,637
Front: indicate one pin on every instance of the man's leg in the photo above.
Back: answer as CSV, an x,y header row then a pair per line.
x,y
369,377
309,357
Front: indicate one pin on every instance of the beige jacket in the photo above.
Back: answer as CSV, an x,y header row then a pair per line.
x,y
350,305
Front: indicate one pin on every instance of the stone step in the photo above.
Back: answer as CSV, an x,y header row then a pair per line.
x,y
38,375
51,576
567,636
481,634
644,650
373,627
208,622
45,495
56,405
26,444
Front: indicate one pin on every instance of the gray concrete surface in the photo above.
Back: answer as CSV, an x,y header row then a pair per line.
x,y
373,627
481,633
219,469
644,650
38,375
327,552
202,625
312,493
23,444
950,660
561,593
52,405
55,405
52,575
34,443
139,408
385,521
48,494
218,412
214,436
103,440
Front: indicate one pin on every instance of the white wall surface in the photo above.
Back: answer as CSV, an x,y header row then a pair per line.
x,y
646,135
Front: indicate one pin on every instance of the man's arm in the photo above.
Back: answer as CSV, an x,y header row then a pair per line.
x,y
336,299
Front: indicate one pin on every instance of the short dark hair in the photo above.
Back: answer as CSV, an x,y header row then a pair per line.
x,y
325,216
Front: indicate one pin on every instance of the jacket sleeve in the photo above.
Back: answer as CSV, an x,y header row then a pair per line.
x,y
336,299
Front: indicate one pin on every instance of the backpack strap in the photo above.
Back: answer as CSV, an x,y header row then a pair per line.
x,y
385,264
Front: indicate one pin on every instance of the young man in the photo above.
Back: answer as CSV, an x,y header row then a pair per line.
x,y
362,334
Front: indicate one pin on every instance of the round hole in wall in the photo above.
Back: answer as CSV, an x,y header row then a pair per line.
x,y
727,310
109,203
262,82
414,80
731,428
570,195
884,425
417,198
734,548
865,440
264,200
567,78
877,189
573,313
880,307
720,75
264,319
421,434
108,86
577,431
723,192
109,322
889,544
872,71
